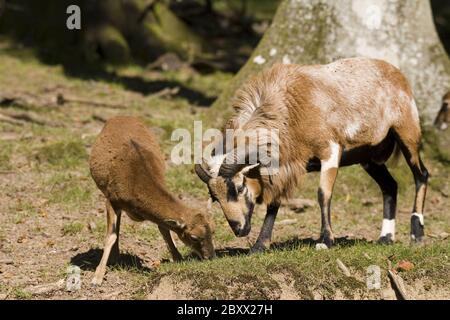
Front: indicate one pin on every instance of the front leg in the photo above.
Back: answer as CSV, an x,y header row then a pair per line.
x,y
170,245
328,174
265,235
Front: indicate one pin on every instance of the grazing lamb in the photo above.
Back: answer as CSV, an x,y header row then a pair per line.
x,y
352,111
127,166
443,118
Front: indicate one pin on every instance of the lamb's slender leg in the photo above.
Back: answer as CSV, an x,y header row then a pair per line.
x,y
265,235
328,174
388,187
409,141
111,242
170,245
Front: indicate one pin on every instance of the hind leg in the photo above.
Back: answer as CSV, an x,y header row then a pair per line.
x,y
409,144
111,248
388,187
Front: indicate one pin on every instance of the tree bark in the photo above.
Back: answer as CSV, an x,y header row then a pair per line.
x,y
321,31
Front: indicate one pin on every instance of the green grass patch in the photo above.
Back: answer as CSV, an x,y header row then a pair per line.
x,y
65,154
251,277
69,189
72,228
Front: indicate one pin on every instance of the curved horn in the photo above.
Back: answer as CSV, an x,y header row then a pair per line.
x,y
230,170
230,167
202,173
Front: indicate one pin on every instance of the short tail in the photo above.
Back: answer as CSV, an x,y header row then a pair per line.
x,y
395,157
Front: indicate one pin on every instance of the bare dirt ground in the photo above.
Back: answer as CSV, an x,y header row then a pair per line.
x,y
52,216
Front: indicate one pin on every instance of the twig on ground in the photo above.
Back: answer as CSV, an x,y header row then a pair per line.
x,y
29,117
398,285
61,99
343,268
8,119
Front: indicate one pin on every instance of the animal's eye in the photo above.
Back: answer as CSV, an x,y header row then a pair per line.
x,y
240,188
194,238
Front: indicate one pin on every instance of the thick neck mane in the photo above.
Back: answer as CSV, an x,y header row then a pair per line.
x,y
262,103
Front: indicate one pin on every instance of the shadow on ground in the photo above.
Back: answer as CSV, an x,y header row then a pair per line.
x,y
291,244
89,260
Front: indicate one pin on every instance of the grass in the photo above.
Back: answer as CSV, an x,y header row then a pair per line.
x,y
63,154
251,277
72,228
53,167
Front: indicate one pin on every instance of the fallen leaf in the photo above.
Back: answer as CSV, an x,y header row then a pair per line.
x,y
43,213
404,266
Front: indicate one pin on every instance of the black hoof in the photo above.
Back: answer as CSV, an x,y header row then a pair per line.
x,y
257,248
417,230
386,240
327,240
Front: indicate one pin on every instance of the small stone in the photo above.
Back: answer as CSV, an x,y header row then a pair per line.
x,y
259,60
3,296
321,246
92,226
444,235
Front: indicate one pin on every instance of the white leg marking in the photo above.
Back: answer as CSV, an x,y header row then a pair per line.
x,y
420,216
333,161
388,228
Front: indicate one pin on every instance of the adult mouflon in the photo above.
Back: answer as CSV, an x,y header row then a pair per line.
x,y
352,111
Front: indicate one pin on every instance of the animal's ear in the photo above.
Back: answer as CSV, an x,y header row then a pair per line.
x,y
175,224
247,169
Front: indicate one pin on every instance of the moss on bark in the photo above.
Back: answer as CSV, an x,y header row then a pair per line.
x,y
321,31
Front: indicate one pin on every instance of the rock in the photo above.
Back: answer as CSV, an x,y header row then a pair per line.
x,y
3,296
321,246
444,235
46,288
92,226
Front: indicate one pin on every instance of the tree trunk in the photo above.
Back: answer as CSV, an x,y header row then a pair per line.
x,y
321,31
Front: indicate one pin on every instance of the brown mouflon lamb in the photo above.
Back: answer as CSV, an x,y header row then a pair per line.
x,y
128,167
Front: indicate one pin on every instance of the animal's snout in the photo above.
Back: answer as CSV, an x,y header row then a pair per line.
x,y
239,229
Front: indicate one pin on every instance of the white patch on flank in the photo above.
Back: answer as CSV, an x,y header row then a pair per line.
x,y
333,161
352,129
420,216
414,111
388,228
273,52
259,60
215,163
